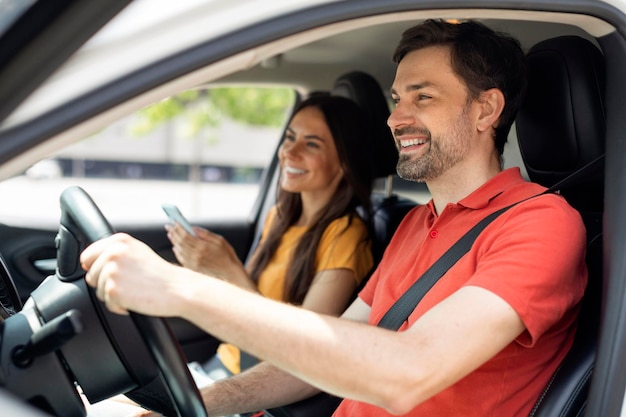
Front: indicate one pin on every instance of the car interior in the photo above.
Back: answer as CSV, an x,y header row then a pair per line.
x,y
566,78
559,140
565,94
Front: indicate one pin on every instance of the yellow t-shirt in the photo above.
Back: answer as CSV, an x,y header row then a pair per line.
x,y
339,248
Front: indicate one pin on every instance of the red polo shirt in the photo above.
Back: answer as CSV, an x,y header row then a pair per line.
x,y
532,256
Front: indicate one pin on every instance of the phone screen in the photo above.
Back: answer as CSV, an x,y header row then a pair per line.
x,y
175,215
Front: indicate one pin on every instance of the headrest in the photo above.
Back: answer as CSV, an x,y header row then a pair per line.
x,y
367,93
561,124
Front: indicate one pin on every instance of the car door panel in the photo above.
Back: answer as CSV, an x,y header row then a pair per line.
x,y
30,257
30,252
24,250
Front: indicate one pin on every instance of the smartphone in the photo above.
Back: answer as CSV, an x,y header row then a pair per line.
x,y
175,215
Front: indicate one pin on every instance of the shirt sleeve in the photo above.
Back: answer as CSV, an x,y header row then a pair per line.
x,y
345,245
528,263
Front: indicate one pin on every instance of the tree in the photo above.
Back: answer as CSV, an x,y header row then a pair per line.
x,y
201,108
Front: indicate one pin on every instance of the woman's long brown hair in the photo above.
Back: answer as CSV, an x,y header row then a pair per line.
x,y
352,135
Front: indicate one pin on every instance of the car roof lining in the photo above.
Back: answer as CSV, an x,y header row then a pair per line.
x,y
309,46
300,51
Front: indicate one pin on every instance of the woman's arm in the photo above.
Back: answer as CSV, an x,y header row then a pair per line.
x,y
330,291
209,254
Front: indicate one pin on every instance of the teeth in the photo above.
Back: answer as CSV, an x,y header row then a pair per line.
x,y
292,170
412,142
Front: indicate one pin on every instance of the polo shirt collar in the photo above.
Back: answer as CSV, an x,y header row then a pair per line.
x,y
481,197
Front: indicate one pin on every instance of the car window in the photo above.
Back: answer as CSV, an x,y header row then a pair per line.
x,y
203,150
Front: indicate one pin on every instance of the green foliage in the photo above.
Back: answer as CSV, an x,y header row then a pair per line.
x,y
200,109
255,106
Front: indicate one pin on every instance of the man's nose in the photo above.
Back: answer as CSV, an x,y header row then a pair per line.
x,y
399,116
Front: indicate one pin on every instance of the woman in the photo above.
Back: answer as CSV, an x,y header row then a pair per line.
x,y
315,248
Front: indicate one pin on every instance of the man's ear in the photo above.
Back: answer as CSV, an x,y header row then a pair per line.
x,y
491,106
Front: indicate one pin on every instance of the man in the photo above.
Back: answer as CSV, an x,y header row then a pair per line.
x,y
486,338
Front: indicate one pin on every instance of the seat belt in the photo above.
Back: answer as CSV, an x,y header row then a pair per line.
x,y
404,306
399,312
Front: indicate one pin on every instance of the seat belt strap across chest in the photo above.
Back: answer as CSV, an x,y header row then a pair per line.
x,y
404,306
399,312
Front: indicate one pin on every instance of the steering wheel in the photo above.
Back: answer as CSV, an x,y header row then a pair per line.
x,y
84,222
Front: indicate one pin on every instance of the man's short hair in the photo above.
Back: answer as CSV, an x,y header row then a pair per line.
x,y
481,57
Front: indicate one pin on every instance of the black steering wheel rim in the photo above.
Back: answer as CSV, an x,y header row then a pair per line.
x,y
79,212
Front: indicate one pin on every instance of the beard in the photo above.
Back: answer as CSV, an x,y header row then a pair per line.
x,y
444,151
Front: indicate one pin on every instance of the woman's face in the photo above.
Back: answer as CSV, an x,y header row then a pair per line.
x,y
308,156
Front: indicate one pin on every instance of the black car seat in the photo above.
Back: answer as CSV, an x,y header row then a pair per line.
x,y
561,130
388,209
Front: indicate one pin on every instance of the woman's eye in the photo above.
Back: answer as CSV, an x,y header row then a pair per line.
x,y
312,145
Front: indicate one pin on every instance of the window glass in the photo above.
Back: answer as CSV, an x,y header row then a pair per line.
x,y
203,150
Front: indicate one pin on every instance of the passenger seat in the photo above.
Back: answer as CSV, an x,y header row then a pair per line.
x,y
388,209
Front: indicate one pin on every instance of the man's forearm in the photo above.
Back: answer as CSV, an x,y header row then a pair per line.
x,y
258,388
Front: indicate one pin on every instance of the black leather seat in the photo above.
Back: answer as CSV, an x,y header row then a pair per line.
x,y
561,128
388,209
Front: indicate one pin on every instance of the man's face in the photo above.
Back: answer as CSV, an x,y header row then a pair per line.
x,y
430,122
